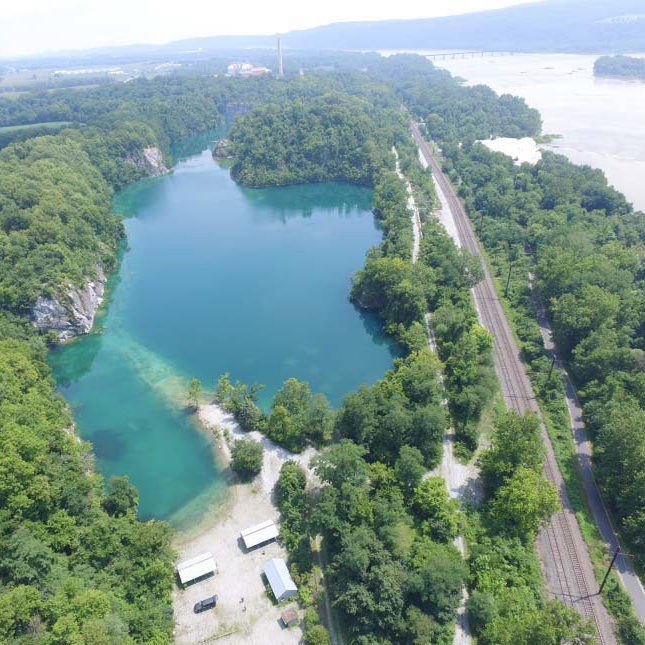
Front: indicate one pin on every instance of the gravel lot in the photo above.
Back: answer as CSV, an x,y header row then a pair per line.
x,y
239,572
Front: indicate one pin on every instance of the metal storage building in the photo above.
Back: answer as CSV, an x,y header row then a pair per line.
x,y
259,534
196,567
279,578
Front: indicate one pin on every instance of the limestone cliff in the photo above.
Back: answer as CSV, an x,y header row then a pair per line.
x,y
72,314
149,161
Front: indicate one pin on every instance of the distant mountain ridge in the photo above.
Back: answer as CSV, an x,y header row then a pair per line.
x,y
598,26
555,25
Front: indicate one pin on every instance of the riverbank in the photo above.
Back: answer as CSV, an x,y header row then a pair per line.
x,y
599,118
255,619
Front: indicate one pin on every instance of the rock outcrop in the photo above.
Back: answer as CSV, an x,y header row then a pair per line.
x,y
222,149
149,161
74,313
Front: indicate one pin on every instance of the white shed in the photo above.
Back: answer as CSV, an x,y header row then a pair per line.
x,y
279,578
259,534
196,567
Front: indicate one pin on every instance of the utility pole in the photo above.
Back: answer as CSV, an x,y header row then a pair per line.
x,y
481,223
548,378
611,564
508,280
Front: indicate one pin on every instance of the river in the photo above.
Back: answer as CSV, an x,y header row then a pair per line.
x,y
600,119
217,278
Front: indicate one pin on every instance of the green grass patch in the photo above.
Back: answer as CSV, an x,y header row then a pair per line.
x,y
50,125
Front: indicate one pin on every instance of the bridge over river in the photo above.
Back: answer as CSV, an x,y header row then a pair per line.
x,y
470,54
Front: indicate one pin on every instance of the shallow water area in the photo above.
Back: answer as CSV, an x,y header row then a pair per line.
x,y
217,278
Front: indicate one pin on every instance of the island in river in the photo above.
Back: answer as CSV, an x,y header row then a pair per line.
x,y
620,67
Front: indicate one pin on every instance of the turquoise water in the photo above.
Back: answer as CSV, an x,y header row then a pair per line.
x,y
217,278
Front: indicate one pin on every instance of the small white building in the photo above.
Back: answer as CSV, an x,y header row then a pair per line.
x,y
259,534
246,69
197,567
280,579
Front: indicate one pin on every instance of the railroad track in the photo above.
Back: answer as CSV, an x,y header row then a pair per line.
x,y
566,564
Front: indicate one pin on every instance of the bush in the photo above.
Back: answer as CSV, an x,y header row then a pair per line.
x,y
311,618
482,610
248,415
317,635
246,459
121,497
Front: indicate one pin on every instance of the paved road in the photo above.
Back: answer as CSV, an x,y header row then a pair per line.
x,y
584,451
563,554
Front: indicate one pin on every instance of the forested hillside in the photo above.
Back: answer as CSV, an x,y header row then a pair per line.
x,y
76,565
455,112
329,138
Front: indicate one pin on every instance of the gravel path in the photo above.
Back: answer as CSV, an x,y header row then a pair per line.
x,y
460,479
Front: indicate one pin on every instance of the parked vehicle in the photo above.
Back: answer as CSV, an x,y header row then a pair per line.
x,y
205,605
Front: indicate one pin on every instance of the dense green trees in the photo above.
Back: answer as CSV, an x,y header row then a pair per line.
x,y
394,575
246,458
76,565
520,498
506,603
403,409
299,417
55,224
453,111
121,497
292,500
332,137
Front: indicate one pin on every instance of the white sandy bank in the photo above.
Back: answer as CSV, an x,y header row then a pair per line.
x,y
213,416
523,150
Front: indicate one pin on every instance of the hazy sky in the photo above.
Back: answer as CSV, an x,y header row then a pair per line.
x,y
30,26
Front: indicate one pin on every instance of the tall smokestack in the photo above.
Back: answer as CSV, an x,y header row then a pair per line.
x,y
280,69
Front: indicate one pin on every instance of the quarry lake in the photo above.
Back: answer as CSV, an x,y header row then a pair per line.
x,y
217,278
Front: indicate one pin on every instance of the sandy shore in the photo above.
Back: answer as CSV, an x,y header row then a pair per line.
x,y
523,150
254,620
